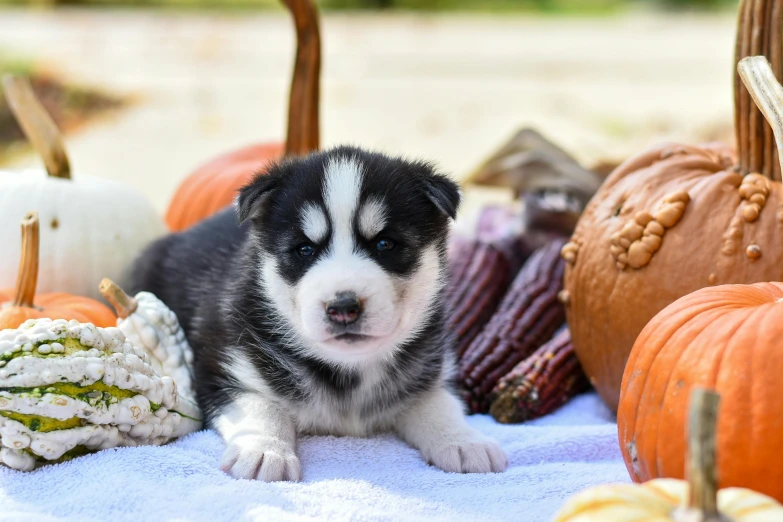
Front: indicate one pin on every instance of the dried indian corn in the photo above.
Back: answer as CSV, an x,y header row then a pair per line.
x,y
480,274
541,383
479,277
526,318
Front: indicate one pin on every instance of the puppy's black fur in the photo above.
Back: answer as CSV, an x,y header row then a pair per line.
x,y
211,277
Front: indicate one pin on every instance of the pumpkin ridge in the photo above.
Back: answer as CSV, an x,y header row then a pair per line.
x,y
184,205
653,486
716,372
629,425
718,313
223,192
757,386
744,512
730,347
602,504
192,210
715,316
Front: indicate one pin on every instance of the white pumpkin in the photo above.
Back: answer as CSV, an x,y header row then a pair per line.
x,y
90,227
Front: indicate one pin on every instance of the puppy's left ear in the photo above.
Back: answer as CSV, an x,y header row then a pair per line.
x,y
444,193
253,197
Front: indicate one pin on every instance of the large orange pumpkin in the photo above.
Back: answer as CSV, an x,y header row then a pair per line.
x,y
21,304
675,219
726,338
214,185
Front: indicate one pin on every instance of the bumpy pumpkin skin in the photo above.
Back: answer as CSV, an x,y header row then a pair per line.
x,y
725,338
214,185
716,238
55,306
659,500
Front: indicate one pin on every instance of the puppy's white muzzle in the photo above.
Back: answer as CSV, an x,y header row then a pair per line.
x,y
328,319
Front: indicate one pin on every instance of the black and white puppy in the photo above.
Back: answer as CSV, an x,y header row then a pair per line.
x,y
319,311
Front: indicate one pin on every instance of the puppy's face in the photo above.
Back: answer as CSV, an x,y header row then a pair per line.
x,y
353,248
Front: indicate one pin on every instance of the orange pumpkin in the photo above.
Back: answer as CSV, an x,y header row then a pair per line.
x,y
676,219
21,304
214,185
725,338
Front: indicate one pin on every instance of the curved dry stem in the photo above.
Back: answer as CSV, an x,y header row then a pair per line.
x,y
767,93
37,125
303,133
123,304
27,278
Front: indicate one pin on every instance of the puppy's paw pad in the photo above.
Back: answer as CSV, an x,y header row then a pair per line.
x,y
261,460
475,455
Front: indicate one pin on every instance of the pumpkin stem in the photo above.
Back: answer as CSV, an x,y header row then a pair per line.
x,y
37,125
123,304
701,469
759,33
767,93
303,104
27,278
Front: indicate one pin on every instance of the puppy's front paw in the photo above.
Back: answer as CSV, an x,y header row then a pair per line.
x,y
270,460
468,453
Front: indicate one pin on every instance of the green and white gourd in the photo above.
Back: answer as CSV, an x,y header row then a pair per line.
x,y
67,388
152,326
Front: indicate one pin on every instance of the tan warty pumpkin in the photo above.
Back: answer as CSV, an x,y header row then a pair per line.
x,y
661,500
675,219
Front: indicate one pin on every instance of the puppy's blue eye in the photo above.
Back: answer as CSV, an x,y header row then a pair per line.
x,y
384,245
305,250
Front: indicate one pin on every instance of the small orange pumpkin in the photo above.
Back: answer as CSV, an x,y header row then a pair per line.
x,y
725,338
21,304
214,185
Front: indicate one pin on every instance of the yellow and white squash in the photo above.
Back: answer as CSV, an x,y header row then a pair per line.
x,y
663,500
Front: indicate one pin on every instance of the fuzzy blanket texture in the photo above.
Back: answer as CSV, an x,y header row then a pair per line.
x,y
380,478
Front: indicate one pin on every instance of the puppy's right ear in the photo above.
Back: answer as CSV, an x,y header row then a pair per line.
x,y
252,198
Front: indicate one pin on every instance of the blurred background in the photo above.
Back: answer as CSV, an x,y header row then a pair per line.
x,y
147,90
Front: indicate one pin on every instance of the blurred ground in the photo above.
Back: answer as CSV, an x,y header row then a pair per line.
x,y
449,88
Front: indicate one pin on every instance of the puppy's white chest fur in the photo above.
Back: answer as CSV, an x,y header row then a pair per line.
x,y
357,413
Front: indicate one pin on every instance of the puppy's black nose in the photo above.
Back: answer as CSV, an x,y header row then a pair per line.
x,y
345,309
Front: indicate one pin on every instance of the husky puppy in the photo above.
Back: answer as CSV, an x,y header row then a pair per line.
x,y
314,307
